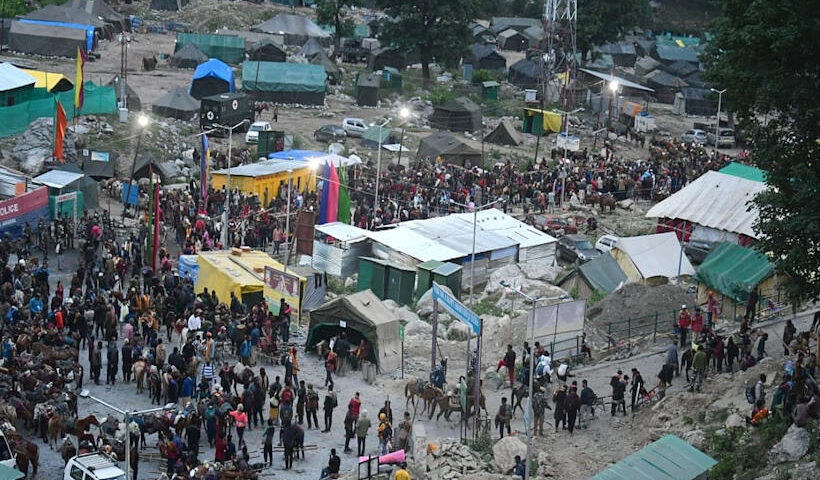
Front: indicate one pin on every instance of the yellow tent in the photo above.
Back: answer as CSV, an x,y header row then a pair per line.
x,y
56,82
244,275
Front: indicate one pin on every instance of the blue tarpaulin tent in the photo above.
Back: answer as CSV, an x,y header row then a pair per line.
x,y
89,29
212,78
188,267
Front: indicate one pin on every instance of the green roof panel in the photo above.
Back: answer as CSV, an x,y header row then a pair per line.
x,y
669,458
734,271
603,273
744,171
283,77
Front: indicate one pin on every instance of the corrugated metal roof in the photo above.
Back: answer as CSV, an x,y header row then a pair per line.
x,y
414,244
8,182
656,255
267,167
608,78
12,77
494,220
714,200
618,48
58,178
674,53
457,234
342,231
669,458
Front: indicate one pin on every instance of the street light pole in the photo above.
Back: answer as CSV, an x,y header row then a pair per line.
x,y
404,113
142,122
287,222
378,168
226,219
717,122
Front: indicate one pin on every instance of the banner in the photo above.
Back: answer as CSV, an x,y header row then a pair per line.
x,y
564,321
458,309
28,207
279,285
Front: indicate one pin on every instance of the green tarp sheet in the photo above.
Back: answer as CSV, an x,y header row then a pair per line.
x,y
734,270
283,77
228,48
603,273
744,171
669,458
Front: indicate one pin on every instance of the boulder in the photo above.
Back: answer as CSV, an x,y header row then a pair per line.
x,y
391,304
695,438
34,147
792,447
508,273
458,331
543,270
505,450
424,306
735,420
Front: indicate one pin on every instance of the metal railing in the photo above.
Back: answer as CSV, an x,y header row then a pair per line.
x,y
624,330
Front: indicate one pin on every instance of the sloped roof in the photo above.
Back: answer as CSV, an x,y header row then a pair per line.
x,y
286,24
342,231
669,458
177,100
54,82
263,168
525,67
510,33
12,77
674,53
504,134
215,68
715,200
603,273
656,255
482,51
659,77
494,220
188,54
311,47
460,104
744,171
622,81
681,68
617,48
515,22
442,143
734,271
58,178
57,13
534,33
283,77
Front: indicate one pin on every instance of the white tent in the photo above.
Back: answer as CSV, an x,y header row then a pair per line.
x,y
652,259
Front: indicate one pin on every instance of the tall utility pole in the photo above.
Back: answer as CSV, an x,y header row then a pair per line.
x,y
123,69
559,45
717,120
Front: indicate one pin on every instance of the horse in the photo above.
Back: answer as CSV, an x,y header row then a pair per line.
x,y
425,390
607,201
56,429
446,407
67,450
27,453
151,424
80,425
139,373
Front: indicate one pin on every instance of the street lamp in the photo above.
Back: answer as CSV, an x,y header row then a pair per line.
x,y
378,167
717,123
404,113
613,88
225,215
529,425
127,418
142,122
287,222
563,174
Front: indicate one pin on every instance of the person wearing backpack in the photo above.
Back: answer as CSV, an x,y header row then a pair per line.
x,y
539,406
312,406
502,418
385,432
330,403
760,388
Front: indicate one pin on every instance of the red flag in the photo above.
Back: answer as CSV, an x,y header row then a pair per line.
x,y
59,133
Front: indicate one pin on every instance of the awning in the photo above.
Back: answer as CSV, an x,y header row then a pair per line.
x,y
58,178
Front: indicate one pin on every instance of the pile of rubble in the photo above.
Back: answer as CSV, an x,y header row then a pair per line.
x,y
452,460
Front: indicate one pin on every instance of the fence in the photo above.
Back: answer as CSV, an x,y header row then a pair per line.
x,y
97,100
662,322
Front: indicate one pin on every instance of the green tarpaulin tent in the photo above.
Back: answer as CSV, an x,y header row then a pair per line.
x,y
228,48
285,82
734,271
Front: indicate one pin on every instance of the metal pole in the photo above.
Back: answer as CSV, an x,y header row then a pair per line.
x,y
680,256
530,412
717,122
378,171
227,192
127,448
472,279
477,388
131,178
435,336
287,222
401,142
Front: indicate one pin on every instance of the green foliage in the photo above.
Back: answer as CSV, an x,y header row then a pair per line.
x,y
334,12
765,54
574,292
442,94
597,296
337,285
12,8
487,306
731,447
485,76
438,29
602,21
687,420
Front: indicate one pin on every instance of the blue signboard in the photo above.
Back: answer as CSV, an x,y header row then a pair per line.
x,y
458,309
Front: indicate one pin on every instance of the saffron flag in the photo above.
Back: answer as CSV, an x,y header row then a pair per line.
x,y
344,199
325,192
333,196
59,132
79,93
203,169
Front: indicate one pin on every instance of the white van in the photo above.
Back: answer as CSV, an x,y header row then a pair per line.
x,y
92,466
354,127
606,243
6,456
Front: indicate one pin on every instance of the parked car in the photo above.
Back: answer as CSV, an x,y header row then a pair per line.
x,y
576,248
6,456
727,138
354,127
253,133
92,466
606,243
329,133
694,135
697,250
556,226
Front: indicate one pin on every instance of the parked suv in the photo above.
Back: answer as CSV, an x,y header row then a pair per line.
x,y
576,247
354,127
329,133
727,138
694,135
606,243
92,466
253,133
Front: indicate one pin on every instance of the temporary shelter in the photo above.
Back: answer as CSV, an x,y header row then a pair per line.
x,y
681,69
694,101
504,134
459,115
623,53
387,279
386,57
524,74
645,65
211,78
442,147
732,272
132,99
337,248
714,207
188,56
66,192
533,244
53,82
50,40
69,15
601,274
267,51
673,53
89,30
100,9
99,165
664,84
485,57
367,90
228,48
511,39
256,178
362,316
285,82
541,122
744,171
669,458
168,5
482,34
16,86
295,29
498,24
310,157
334,73
177,103
310,48
652,259
375,136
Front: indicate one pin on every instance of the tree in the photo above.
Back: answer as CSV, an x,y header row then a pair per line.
x,y
332,12
603,21
766,53
438,29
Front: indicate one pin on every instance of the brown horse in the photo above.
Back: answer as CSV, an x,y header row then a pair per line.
x,y
139,368
416,387
56,429
67,450
448,404
80,425
607,201
27,453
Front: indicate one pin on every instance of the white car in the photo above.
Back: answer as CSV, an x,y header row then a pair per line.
x,y
606,243
354,127
694,135
92,466
6,456
253,133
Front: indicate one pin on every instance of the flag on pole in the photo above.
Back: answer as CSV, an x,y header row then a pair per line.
x,y
156,229
59,132
344,199
325,192
333,196
203,169
79,93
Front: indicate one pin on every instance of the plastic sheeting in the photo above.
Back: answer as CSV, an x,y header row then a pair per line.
x,y
734,271
228,48
188,267
283,77
658,255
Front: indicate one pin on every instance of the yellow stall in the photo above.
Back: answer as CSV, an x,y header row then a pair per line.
x,y
264,178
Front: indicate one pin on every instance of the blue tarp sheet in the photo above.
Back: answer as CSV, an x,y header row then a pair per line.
x,y
89,30
188,267
214,68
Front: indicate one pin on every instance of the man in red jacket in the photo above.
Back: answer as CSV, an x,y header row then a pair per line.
x,y
684,321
